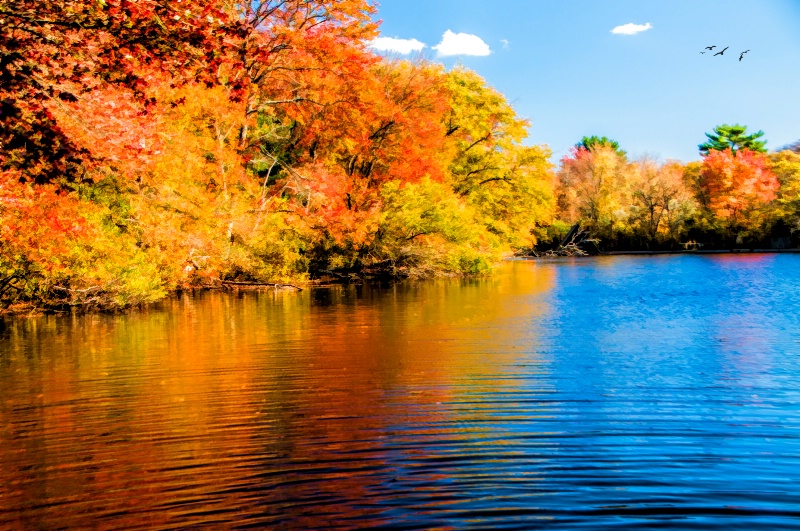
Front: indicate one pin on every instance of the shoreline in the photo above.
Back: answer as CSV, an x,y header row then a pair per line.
x,y
710,251
25,310
653,253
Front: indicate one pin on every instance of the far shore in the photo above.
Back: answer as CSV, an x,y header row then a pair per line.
x,y
690,251
700,251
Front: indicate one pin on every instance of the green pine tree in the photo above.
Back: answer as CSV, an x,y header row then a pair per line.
x,y
734,137
590,142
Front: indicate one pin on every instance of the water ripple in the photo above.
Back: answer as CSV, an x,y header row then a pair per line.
x,y
606,393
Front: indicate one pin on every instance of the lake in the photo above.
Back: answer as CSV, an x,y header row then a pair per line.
x,y
659,391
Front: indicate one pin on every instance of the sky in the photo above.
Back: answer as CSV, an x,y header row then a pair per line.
x,y
628,70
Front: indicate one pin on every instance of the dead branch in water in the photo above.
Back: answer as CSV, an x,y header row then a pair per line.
x,y
232,284
574,243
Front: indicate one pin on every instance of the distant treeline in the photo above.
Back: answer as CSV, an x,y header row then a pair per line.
x,y
738,196
156,146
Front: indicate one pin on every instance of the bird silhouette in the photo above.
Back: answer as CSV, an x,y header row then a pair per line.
x,y
722,52
742,54
709,48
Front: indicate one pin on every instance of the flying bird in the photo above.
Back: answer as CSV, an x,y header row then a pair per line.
x,y
709,48
742,54
722,52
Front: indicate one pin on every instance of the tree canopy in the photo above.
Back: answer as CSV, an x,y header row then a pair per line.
x,y
153,145
592,142
737,185
733,137
59,50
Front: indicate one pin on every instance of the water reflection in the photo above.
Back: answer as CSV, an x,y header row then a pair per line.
x,y
559,391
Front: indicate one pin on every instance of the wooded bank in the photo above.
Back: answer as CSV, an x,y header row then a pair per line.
x,y
149,148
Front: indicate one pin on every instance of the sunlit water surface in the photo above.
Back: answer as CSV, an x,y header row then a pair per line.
x,y
628,391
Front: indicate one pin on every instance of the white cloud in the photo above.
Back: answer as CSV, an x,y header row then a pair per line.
x,y
505,43
631,29
461,44
392,44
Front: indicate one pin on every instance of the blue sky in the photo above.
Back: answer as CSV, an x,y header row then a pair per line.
x,y
560,65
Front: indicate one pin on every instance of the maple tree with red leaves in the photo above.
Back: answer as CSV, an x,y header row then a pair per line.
x,y
736,184
36,230
57,50
285,47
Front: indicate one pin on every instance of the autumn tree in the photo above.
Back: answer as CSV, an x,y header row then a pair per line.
x,y
733,137
287,48
425,229
317,119
34,236
56,50
57,252
595,188
509,185
388,129
661,200
738,185
591,142
786,167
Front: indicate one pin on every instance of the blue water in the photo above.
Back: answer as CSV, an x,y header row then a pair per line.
x,y
630,392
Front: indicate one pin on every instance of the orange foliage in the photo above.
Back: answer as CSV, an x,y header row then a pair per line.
x,y
286,40
290,147
37,225
380,122
63,48
737,184
111,124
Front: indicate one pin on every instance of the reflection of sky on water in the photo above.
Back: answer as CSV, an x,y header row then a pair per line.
x,y
683,367
688,320
625,387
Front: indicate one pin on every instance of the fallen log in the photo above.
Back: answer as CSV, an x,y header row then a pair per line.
x,y
569,238
275,285
577,242
570,249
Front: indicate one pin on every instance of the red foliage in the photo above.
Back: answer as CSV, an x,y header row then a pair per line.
x,y
576,154
36,225
380,121
737,183
110,124
331,207
57,48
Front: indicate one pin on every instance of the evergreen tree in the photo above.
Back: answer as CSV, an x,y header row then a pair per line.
x,y
733,136
591,142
